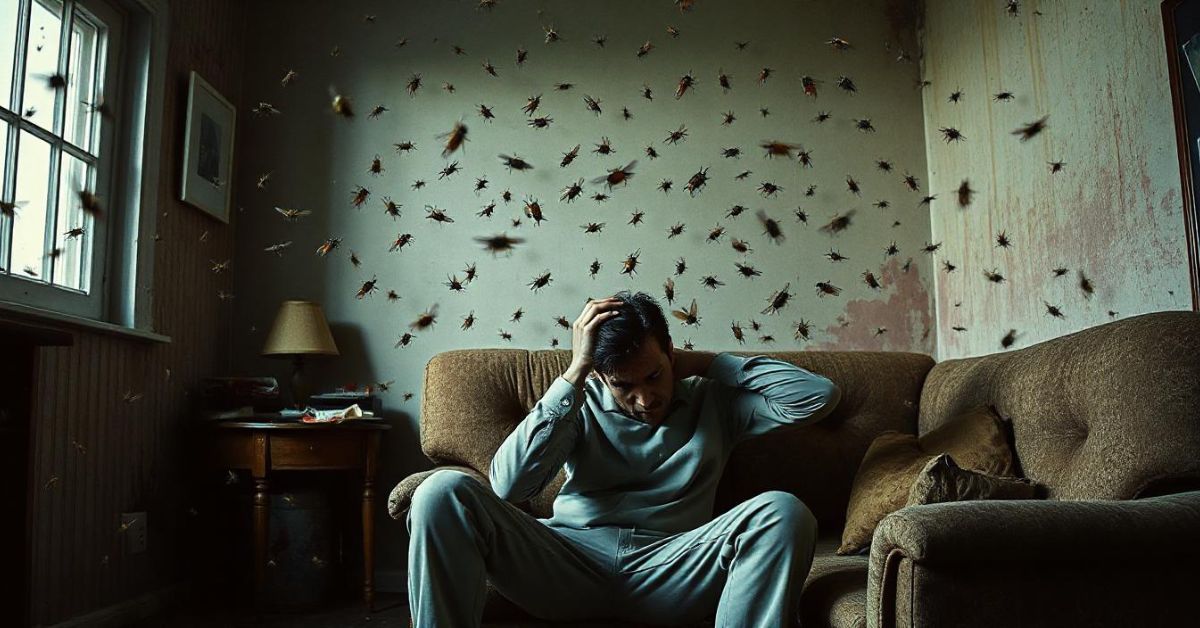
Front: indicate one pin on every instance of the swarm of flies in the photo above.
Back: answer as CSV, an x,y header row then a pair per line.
x,y
367,288
616,176
572,191
870,280
839,222
340,104
400,242
776,148
540,281
825,287
629,265
569,156
964,193
531,104
675,136
1033,128
455,138
689,316
533,209
425,320
697,181
686,82
951,134
292,215
515,163
328,246
777,300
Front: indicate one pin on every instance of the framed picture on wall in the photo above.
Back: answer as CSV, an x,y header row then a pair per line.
x,y
208,149
1181,31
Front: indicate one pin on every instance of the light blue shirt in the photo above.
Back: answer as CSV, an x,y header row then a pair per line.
x,y
622,471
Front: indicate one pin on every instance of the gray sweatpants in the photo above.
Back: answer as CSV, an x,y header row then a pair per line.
x,y
747,566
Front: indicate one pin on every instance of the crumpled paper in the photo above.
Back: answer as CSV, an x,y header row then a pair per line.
x,y
312,415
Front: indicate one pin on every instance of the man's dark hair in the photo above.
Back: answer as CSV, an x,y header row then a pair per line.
x,y
621,337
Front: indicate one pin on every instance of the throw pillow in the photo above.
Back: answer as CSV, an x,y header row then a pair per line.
x,y
976,439
942,480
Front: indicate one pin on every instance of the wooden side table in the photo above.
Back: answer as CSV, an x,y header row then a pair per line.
x,y
263,446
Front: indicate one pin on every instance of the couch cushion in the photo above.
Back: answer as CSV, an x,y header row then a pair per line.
x,y
835,593
1101,413
942,480
895,460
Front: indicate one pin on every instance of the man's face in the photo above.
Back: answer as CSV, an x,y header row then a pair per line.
x,y
643,384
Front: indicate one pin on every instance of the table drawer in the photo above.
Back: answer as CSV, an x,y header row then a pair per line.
x,y
317,451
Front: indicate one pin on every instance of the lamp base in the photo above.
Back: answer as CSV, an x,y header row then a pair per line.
x,y
300,392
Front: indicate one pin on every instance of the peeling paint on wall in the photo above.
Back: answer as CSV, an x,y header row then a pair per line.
x,y
1112,214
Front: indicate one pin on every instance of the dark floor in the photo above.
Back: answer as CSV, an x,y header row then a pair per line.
x,y
391,610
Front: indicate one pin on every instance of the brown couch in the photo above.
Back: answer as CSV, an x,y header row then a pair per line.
x,y
1108,418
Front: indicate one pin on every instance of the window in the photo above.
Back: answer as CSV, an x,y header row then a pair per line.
x,y
78,89
57,146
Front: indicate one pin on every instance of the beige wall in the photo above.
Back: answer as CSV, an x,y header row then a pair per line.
x,y
317,160
1114,213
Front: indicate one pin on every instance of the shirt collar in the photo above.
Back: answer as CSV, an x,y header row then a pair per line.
x,y
679,397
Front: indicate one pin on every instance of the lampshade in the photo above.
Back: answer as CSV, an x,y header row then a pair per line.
x,y
300,328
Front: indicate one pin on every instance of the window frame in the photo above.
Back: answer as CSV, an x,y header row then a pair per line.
x,y
123,289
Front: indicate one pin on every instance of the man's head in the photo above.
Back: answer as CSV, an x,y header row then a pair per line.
x,y
633,357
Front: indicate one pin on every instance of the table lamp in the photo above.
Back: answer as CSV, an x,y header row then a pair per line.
x,y
300,329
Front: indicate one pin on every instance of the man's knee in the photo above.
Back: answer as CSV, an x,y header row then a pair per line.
x,y
793,515
438,490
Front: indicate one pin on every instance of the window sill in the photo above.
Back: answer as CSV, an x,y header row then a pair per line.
x,y
18,312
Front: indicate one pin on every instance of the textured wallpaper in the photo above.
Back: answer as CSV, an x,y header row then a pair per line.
x,y
445,175
1077,224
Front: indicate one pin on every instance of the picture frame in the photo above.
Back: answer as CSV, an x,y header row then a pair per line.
x,y
1181,33
208,149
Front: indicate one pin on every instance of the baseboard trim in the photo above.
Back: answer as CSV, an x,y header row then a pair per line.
x,y
391,581
130,611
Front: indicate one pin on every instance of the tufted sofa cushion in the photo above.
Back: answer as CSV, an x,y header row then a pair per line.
x,y
1101,413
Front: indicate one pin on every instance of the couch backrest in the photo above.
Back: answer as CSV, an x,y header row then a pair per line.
x,y
473,398
1102,413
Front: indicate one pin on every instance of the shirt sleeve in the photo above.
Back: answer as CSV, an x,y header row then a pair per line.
x,y
766,394
532,454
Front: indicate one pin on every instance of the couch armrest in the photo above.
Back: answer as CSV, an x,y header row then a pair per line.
x,y
401,496
988,555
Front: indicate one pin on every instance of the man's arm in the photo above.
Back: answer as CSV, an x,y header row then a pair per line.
x,y
768,394
533,453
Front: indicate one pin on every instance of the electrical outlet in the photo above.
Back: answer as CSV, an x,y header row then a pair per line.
x,y
133,527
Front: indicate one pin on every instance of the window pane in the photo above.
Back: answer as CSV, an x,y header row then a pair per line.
x,y
70,252
81,83
9,211
8,49
33,188
41,62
